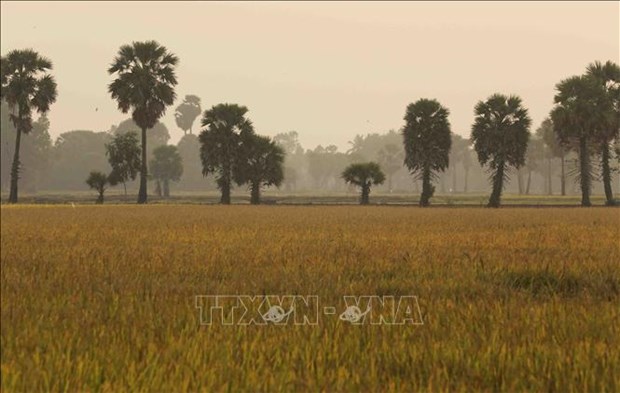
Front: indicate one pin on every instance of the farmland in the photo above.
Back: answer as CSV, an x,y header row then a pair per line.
x,y
103,298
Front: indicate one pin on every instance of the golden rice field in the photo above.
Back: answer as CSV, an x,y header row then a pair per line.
x,y
103,298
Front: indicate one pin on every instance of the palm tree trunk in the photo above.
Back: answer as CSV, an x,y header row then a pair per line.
x,y
143,169
609,196
466,176
100,198
427,187
364,199
529,182
255,194
584,172
166,188
498,185
562,177
550,189
15,168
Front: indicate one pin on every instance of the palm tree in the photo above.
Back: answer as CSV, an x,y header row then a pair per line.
x,y
427,140
608,76
187,112
581,106
220,143
167,166
99,181
145,86
500,135
364,175
26,85
554,149
259,163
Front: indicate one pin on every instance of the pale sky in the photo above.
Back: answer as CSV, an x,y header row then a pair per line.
x,y
327,70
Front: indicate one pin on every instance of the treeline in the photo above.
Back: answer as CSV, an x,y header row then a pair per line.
x,y
579,141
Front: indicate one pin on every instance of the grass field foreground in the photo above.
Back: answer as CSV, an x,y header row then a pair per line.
x,y
102,298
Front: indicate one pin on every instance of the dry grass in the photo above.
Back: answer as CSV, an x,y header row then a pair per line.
x,y
102,298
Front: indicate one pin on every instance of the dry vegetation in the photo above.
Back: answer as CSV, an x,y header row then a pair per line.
x,y
102,298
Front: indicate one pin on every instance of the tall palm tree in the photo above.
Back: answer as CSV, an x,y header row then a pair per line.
x,y
608,76
259,163
500,135
427,140
220,143
145,86
364,175
26,85
581,106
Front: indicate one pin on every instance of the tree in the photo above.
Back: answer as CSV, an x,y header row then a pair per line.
x,y
167,166
534,156
187,112
260,164
145,86
189,149
608,77
158,134
553,149
364,175
391,159
219,143
124,157
459,152
427,140
25,85
581,105
500,135
98,181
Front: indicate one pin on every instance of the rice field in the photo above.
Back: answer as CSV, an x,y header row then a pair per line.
x,y
104,298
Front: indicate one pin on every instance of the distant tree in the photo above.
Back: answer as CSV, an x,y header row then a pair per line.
x,y
581,106
553,149
158,134
166,166
427,140
608,77
390,158
99,181
145,86
459,153
260,164
500,135
534,157
219,143
289,141
25,85
189,149
124,157
364,175
187,112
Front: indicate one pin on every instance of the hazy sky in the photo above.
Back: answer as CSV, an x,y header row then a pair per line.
x,y
327,70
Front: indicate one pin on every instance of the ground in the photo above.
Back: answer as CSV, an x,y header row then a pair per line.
x,y
104,298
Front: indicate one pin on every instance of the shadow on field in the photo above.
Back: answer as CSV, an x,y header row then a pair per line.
x,y
544,283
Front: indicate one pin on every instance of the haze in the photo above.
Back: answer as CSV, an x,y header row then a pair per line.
x,y
327,70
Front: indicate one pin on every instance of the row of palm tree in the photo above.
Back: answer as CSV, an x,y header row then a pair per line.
x,y
586,118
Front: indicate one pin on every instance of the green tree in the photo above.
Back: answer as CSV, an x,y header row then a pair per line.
x,y
167,166
144,85
99,182
26,85
187,112
608,77
158,135
500,135
260,164
220,143
364,175
124,157
427,140
581,105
